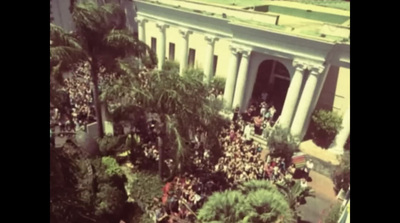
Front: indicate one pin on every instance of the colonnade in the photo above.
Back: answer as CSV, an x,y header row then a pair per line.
x,y
305,84
210,39
306,81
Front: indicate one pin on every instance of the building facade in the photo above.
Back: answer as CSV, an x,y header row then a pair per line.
x,y
61,15
299,54
302,62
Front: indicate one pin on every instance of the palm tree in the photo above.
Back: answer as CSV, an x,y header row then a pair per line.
x,y
227,206
100,39
268,206
255,201
180,103
65,51
294,193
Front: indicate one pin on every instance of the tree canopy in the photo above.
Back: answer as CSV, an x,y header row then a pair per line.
x,y
179,105
255,201
100,38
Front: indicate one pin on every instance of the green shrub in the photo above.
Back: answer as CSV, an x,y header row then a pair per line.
x,y
145,187
282,144
333,214
109,195
113,167
149,61
171,66
218,83
193,74
255,201
112,145
324,127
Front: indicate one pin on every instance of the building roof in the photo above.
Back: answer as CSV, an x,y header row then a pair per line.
x,y
294,18
335,6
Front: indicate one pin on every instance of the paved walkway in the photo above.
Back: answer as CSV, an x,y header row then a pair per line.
x,y
311,149
324,198
322,185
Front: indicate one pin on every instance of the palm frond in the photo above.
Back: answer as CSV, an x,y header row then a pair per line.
x,y
98,19
59,37
56,75
68,55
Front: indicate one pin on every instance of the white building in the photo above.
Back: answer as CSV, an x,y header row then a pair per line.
x,y
298,53
59,11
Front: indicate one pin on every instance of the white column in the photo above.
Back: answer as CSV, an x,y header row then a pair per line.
x,y
341,138
305,101
161,44
231,79
141,28
241,81
320,85
209,58
292,95
184,51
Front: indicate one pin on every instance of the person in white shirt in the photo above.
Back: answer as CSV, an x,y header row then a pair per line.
x,y
266,128
309,167
220,96
247,131
268,159
263,109
272,112
303,183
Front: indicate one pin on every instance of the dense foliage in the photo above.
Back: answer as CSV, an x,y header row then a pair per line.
x,y
100,38
145,187
218,83
341,176
177,104
282,144
84,189
66,205
255,201
171,66
324,127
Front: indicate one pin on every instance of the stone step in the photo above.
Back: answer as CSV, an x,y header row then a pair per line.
x,y
259,139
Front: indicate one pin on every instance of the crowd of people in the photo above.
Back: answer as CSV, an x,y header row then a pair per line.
x,y
241,161
182,197
79,107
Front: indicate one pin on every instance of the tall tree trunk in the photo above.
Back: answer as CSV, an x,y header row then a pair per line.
x,y
95,80
161,157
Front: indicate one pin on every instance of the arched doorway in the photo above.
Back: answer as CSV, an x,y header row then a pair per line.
x,y
272,78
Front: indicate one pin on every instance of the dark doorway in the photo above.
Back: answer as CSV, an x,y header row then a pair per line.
x,y
263,78
278,97
272,78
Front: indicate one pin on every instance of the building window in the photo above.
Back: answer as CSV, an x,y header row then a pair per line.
x,y
192,57
215,64
154,44
171,51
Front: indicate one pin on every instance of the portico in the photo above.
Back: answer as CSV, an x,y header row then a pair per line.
x,y
236,51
